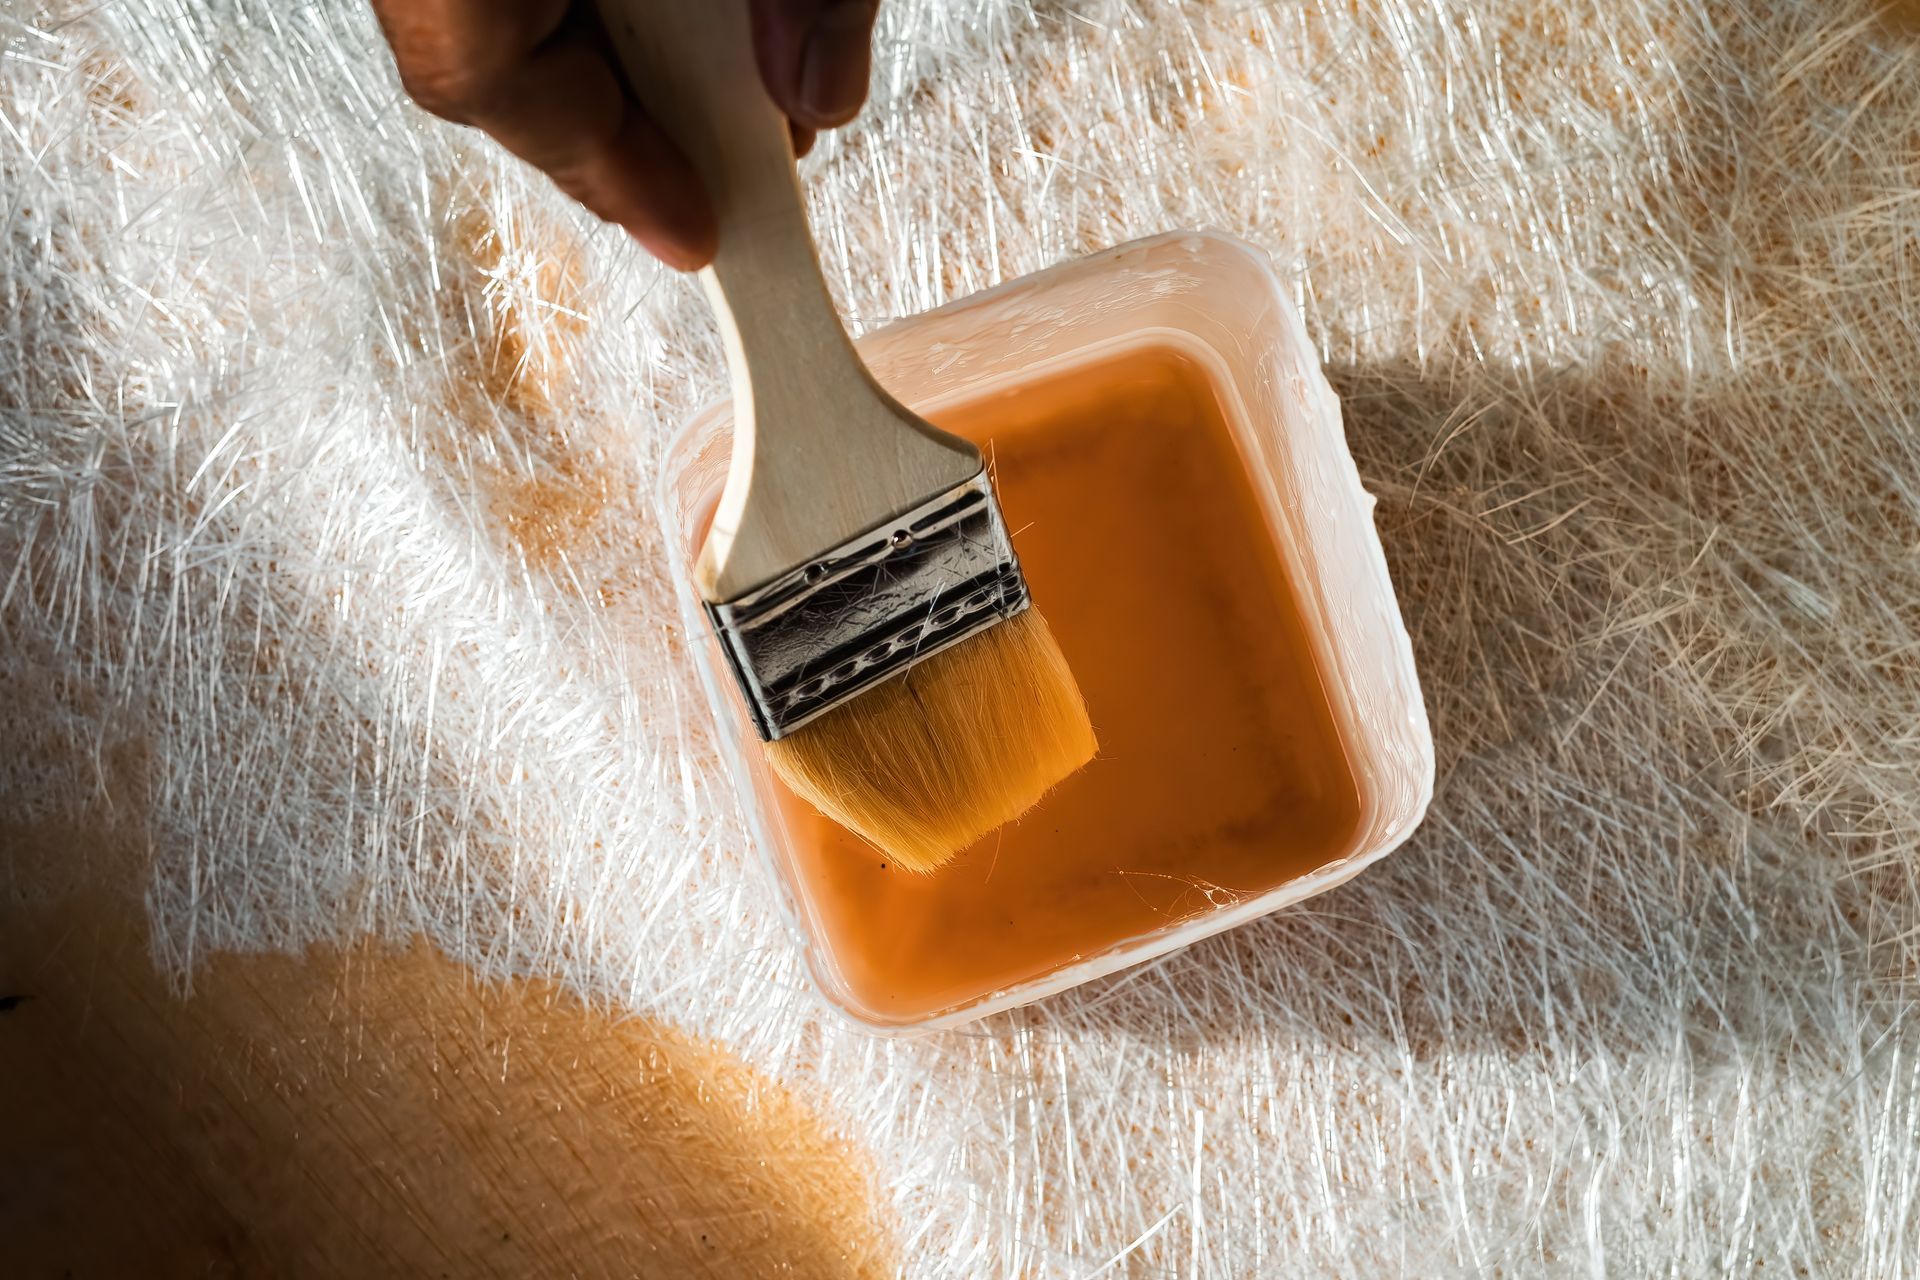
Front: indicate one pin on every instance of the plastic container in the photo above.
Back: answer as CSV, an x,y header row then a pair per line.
x,y
1218,302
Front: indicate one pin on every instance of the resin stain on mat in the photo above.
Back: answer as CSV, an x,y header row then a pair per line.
x,y
540,457
379,1110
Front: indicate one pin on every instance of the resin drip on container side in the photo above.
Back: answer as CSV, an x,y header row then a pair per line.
x,y
1221,773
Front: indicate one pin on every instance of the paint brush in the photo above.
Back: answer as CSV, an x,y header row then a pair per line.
x,y
858,571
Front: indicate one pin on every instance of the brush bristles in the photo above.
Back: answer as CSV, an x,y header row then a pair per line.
x,y
925,764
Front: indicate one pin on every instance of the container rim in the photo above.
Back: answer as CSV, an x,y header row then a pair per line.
x,y
1143,948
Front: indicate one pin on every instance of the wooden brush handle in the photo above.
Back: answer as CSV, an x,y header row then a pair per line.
x,y
820,452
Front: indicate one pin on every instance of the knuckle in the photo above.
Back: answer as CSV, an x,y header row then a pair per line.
x,y
454,69
452,90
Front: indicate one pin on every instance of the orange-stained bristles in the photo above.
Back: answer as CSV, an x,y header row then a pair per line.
x,y
961,743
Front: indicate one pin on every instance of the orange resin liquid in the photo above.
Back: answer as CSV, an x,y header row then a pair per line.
x,y
1220,773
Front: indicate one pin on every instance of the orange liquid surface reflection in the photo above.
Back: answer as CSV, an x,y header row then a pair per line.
x,y
1220,773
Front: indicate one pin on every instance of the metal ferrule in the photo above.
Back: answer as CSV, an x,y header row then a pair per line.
x,y
867,610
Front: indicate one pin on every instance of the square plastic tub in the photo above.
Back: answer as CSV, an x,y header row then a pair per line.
x,y
1218,302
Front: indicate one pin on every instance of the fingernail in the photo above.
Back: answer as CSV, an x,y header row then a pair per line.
x,y
833,71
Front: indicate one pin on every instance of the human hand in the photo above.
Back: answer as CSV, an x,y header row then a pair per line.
x,y
541,77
